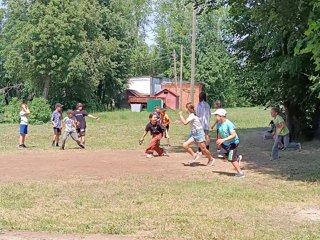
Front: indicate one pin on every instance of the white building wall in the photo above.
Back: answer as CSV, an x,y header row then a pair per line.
x,y
140,84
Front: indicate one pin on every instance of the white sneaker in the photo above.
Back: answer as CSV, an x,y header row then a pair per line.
x,y
195,158
149,156
199,153
220,156
211,162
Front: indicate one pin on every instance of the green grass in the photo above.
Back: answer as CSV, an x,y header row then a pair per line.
x,y
121,130
211,206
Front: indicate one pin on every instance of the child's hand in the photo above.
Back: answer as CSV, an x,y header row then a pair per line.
x,y
98,118
180,113
220,141
212,128
141,141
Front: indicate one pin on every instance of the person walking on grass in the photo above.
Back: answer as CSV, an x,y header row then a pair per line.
x,y
165,122
24,113
229,140
204,114
69,125
197,136
56,121
156,130
281,134
81,115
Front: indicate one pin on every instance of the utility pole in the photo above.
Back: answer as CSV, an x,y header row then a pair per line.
x,y
181,75
193,55
175,69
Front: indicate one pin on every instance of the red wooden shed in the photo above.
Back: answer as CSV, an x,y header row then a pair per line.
x,y
170,99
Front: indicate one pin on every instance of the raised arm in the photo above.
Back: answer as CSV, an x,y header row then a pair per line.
x,y
183,120
94,117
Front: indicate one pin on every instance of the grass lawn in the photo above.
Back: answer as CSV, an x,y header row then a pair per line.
x,y
267,204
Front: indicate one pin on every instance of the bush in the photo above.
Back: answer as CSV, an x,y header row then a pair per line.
x,y
39,108
40,111
11,111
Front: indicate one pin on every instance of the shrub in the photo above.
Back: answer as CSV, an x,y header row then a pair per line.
x,y
40,111
11,111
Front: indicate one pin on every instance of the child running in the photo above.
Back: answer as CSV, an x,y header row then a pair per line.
x,y
229,140
280,134
204,114
165,122
81,115
218,105
156,131
70,124
197,135
56,121
24,113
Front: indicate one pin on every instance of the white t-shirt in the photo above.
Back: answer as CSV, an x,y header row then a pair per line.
x,y
203,111
194,122
23,118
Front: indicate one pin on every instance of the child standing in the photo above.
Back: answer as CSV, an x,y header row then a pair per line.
x,y
165,122
229,140
81,115
24,113
280,134
157,112
70,124
197,135
56,121
156,131
204,114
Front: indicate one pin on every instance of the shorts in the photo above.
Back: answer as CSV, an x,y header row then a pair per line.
x,y
167,127
231,151
81,132
23,129
57,131
198,135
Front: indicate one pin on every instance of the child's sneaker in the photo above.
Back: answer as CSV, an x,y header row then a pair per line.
x,y
211,162
199,153
239,158
21,146
53,144
62,148
195,158
299,147
239,175
149,156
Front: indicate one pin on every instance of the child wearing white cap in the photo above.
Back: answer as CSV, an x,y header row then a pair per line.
x,y
229,140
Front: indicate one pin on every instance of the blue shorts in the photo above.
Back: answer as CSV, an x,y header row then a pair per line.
x,y
23,129
198,135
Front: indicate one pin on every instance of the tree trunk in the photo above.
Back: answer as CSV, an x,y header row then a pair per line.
x,y
46,86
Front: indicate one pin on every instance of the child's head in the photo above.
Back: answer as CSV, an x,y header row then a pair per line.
x,y
202,97
157,109
23,106
220,114
58,107
274,111
218,104
162,111
153,118
70,113
190,108
79,106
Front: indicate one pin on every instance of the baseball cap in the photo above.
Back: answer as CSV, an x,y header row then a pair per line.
x,y
70,111
221,112
58,105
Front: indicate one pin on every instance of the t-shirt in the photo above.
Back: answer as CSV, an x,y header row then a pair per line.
x,y
23,118
69,124
81,118
277,121
56,118
203,112
225,130
154,129
165,120
157,114
194,122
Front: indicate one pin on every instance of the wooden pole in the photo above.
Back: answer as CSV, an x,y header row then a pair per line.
x,y
181,75
193,55
175,69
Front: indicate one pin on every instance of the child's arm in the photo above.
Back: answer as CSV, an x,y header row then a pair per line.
x,y
94,117
213,126
143,136
233,134
183,120
26,110
281,127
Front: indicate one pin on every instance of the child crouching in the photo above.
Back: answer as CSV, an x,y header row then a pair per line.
x,y
156,131
70,124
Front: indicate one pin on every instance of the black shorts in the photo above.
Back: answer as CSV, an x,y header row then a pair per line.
x,y
81,132
57,131
167,127
231,151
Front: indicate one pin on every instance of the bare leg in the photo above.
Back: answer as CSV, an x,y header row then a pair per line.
x,y
187,147
204,150
22,139
236,166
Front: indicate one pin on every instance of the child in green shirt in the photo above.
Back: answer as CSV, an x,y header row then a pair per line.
x,y
281,133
